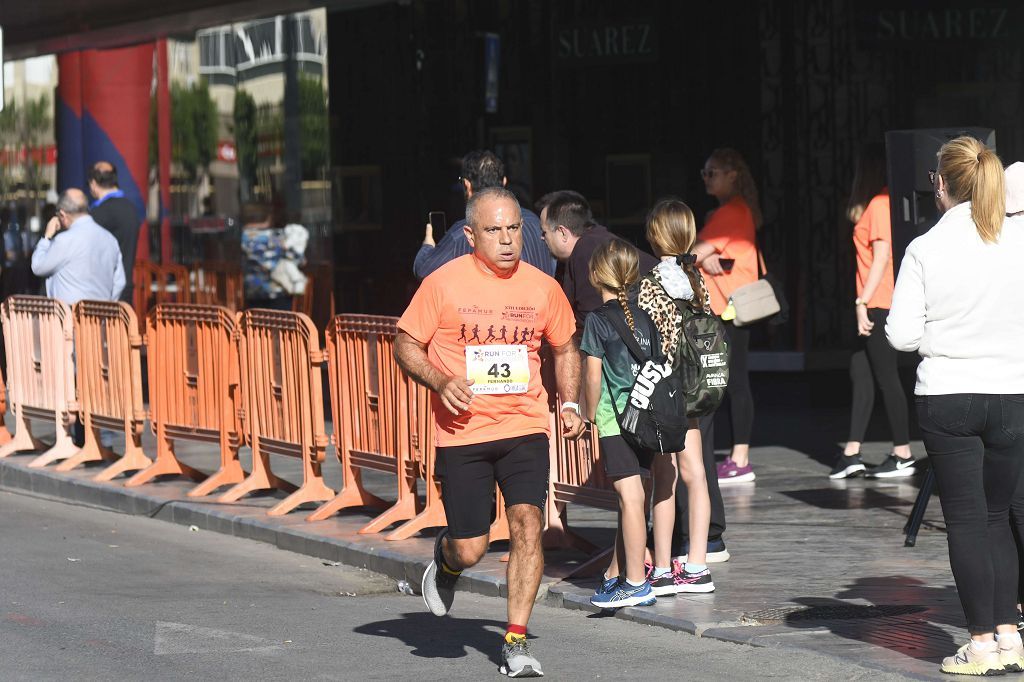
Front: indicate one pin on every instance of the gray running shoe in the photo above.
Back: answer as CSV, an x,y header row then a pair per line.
x,y
517,661
438,585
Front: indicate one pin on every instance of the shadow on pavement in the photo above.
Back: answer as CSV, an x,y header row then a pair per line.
x,y
902,614
431,637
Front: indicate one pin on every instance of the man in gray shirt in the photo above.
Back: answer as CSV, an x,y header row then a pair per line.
x,y
79,259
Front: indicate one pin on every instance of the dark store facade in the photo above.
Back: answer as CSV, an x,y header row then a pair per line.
x,y
624,101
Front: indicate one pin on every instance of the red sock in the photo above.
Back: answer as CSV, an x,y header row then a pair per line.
x,y
513,629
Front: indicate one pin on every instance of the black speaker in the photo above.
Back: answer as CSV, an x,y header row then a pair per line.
x,y
910,154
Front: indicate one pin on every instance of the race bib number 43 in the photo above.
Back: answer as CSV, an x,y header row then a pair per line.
x,y
498,369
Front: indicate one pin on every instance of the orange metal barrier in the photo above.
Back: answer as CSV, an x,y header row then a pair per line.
x,y
155,284
5,435
218,283
39,338
372,412
108,348
193,388
383,421
577,477
281,372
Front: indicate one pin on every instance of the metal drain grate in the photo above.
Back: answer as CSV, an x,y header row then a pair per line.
x,y
790,614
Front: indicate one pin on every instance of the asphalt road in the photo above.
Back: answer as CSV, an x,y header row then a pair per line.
x,y
87,594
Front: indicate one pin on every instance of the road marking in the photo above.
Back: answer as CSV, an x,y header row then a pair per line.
x,y
181,638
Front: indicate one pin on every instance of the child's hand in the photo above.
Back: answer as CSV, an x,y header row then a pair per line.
x,y
572,424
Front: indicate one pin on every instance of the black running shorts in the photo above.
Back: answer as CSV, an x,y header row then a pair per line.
x,y
468,472
621,460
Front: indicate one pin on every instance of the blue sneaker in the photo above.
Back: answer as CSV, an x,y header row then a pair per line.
x,y
625,595
608,585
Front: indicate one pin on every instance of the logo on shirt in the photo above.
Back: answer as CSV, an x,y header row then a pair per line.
x,y
474,310
516,313
505,334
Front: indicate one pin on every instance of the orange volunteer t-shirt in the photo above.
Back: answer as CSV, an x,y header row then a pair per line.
x,y
874,225
730,229
461,305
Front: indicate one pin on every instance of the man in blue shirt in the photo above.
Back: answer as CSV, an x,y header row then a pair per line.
x,y
117,213
481,169
79,259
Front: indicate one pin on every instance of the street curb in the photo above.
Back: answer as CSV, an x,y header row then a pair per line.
x,y
166,501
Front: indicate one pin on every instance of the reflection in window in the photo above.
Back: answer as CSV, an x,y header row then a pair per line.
x,y
256,48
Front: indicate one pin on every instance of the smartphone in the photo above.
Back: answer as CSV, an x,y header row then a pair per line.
x,y
438,221
727,263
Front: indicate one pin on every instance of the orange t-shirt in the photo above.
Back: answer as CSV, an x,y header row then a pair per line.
x,y
874,225
730,229
460,304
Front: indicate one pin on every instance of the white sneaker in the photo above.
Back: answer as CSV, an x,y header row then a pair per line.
x,y
970,661
1011,653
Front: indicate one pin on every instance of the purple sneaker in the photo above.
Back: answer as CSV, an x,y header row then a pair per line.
x,y
728,472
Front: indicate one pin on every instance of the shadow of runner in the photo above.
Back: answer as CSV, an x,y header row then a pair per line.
x,y
431,637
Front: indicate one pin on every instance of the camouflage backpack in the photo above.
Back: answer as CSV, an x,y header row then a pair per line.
x,y
698,345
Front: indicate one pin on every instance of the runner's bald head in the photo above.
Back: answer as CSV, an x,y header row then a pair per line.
x,y
483,196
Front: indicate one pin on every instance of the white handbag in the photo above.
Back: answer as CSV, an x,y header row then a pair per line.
x,y
754,302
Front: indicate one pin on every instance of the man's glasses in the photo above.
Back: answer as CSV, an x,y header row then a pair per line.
x,y
708,173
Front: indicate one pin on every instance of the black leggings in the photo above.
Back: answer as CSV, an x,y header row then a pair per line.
x,y
975,442
741,410
738,395
874,362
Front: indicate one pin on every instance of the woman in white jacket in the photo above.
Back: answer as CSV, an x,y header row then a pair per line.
x,y
957,302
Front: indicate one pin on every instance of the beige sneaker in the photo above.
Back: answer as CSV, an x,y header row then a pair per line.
x,y
967,661
1012,657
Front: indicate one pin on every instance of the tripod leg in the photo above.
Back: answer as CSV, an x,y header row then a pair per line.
x,y
920,505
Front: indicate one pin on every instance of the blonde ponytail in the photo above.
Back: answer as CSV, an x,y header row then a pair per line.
x,y
972,172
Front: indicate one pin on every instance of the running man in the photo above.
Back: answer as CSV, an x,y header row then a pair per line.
x,y
490,407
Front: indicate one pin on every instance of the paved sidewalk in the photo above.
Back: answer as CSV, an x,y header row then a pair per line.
x,y
816,564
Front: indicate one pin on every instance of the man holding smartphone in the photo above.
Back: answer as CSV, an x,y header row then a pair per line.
x,y
79,259
480,169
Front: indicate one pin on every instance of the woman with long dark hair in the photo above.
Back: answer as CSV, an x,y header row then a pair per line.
x,y
727,254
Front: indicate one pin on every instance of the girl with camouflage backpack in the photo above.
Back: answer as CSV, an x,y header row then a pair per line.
x,y
675,297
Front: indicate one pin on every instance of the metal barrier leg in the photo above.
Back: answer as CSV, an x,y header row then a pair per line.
x,y
352,495
166,464
557,534
403,510
23,439
313,489
261,478
913,524
407,506
63,448
432,515
134,459
593,566
93,451
230,474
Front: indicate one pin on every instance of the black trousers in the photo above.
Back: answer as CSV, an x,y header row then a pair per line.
x,y
874,362
975,442
741,411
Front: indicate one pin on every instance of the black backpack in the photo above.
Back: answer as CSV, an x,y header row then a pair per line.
x,y
702,358
655,414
